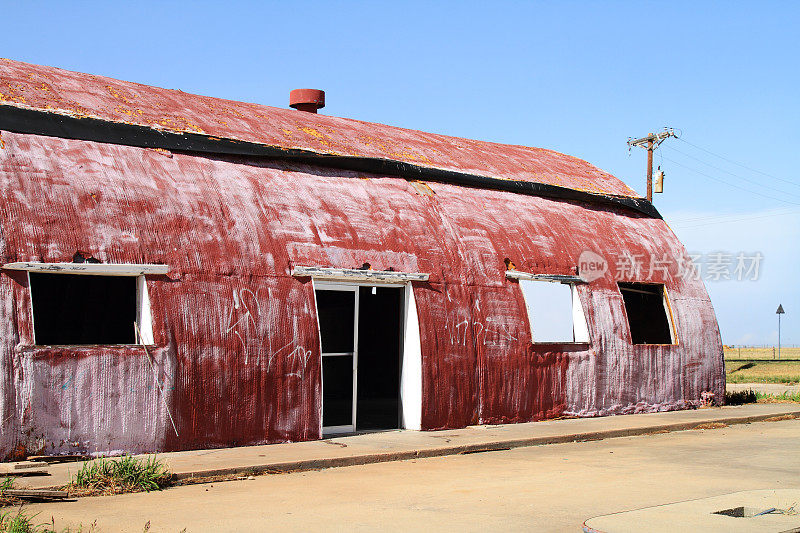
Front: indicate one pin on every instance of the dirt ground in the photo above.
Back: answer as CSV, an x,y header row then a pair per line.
x,y
761,353
544,488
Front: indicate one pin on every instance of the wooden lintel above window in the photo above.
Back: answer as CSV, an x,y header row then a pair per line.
x,y
348,274
101,269
555,278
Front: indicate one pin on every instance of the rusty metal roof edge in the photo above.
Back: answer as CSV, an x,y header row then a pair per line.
x,y
146,87
39,122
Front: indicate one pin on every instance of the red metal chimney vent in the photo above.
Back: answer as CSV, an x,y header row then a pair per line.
x,y
307,99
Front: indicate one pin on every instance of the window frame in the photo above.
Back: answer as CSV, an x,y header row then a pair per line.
x,y
578,326
673,332
144,314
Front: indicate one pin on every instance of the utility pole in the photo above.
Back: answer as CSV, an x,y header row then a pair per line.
x,y
650,142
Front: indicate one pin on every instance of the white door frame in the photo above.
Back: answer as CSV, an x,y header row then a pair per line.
x,y
343,287
410,355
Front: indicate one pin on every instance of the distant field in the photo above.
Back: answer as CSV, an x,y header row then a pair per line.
x,y
760,353
760,371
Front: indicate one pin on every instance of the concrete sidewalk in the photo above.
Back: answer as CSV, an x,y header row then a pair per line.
x,y
775,389
706,514
400,445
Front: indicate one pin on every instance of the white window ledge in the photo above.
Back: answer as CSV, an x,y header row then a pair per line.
x,y
555,278
352,274
104,269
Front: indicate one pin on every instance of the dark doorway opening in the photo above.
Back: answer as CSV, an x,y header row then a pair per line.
x,y
380,315
645,305
83,309
361,337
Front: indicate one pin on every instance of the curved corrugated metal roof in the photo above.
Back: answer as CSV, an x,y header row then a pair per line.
x,y
237,337
80,95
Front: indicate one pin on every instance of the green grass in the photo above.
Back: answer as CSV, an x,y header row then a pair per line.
x,y
783,378
126,474
6,484
20,521
756,371
785,397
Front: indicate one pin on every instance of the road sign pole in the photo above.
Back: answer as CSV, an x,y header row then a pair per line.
x,y
779,312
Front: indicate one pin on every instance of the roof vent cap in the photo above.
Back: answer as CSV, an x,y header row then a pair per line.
x,y
307,99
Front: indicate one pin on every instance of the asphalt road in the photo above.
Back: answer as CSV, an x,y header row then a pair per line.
x,y
544,488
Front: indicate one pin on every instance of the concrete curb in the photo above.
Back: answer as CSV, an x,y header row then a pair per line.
x,y
355,460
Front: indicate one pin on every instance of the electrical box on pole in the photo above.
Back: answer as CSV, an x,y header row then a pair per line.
x,y
658,181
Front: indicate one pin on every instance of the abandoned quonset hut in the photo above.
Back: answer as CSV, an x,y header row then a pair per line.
x,y
180,272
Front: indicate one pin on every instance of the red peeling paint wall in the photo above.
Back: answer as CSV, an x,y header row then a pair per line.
x,y
237,348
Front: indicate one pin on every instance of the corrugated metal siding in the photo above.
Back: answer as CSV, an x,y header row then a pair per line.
x,y
84,95
237,342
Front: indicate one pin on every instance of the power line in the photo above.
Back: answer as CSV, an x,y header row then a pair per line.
x,y
728,183
741,219
679,220
735,163
720,216
652,142
731,217
758,183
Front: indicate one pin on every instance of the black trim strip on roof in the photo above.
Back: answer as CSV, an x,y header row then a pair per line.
x,y
51,124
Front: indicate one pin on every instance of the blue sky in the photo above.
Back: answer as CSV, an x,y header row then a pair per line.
x,y
577,77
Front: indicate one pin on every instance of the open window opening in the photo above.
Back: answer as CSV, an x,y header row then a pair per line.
x,y
83,309
648,312
554,311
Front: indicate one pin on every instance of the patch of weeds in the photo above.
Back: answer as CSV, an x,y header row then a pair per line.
x,y
6,484
116,476
20,521
740,397
786,397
